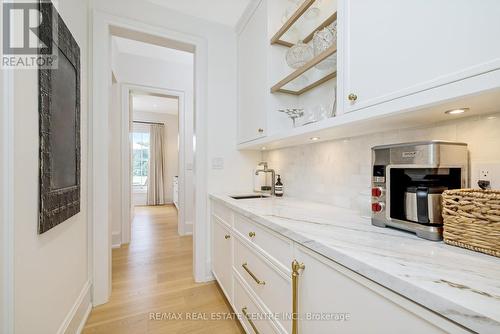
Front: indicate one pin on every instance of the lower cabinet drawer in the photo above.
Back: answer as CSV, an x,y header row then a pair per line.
x,y
269,284
276,247
253,319
223,213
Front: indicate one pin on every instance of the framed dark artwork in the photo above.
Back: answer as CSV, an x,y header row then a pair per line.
x,y
59,123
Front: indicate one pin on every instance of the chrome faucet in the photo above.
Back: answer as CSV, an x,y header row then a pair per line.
x,y
267,170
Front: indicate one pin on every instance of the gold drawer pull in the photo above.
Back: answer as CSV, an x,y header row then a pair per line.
x,y
258,281
227,236
245,313
296,269
251,234
352,97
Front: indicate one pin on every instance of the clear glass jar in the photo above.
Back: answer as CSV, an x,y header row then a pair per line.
x,y
299,54
322,40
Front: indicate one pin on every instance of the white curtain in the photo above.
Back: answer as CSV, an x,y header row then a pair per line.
x,y
157,174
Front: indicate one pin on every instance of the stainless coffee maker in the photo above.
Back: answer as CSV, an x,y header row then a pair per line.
x,y
408,180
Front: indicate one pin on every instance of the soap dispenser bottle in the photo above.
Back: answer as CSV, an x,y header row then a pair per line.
x,y
278,188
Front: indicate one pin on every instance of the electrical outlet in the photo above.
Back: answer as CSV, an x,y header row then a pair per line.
x,y
485,172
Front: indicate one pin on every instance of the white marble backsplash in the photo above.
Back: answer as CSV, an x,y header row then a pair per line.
x,y
338,172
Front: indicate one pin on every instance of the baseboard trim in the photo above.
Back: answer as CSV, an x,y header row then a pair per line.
x,y
79,330
77,316
188,228
116,240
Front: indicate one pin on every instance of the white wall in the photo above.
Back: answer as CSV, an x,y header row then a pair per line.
x,y
338,172
50,269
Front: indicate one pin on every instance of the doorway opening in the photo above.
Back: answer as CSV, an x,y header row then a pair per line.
x,y
156,83
143,71
155,150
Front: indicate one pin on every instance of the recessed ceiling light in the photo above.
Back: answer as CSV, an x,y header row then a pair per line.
x,y
315,138
456,111
263,148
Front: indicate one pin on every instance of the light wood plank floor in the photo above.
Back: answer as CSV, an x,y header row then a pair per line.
x,y
154,275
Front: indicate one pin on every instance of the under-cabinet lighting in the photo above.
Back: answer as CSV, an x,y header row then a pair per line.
x,y
491,118
263,148
456,111
315,138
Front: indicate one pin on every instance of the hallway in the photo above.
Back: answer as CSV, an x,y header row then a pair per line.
x,y
154,275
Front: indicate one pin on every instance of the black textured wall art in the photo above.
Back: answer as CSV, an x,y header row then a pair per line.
x,y
59,123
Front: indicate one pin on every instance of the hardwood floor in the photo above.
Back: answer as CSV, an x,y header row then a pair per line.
x,y
153,290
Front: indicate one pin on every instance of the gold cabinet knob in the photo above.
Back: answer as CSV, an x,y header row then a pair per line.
x,y
352,97
227,236
261,130
251,234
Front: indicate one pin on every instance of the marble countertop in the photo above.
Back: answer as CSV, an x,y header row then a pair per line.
x,y
461,285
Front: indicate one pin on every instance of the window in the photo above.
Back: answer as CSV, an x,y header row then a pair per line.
x,y
140,159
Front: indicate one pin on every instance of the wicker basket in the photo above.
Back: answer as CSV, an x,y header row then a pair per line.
x,y
472,219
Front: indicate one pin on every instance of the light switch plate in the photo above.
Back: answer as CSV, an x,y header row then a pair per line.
x,y
218,163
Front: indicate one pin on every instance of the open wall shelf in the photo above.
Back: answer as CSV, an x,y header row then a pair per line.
x,y
291,84
279,37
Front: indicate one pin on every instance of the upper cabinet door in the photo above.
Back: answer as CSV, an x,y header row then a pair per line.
x,y
252,77
395,48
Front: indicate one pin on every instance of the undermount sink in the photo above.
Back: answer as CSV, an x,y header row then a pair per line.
x,y
249,196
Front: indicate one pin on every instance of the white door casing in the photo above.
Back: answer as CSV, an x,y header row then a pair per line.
x,y
6,202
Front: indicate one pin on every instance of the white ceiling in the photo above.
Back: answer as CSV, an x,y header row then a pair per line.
x,y
157,104
130,46
226,12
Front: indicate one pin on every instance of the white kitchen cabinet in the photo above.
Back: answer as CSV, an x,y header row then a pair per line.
x,y
393,48
252,77
252,277
358,305
222,256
